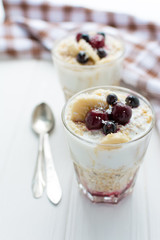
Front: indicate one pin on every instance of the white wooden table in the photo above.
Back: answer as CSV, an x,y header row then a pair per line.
x,y
23,84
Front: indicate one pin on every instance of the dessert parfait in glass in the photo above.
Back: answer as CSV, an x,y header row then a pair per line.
x,y
86,60
108,130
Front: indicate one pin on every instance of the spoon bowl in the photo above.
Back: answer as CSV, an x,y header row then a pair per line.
x,y
42,119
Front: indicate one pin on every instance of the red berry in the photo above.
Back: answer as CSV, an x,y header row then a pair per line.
x,y
78,36
121,113
94,118
97,41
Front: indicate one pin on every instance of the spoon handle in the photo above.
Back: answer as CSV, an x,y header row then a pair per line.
x,y
38,183
54,192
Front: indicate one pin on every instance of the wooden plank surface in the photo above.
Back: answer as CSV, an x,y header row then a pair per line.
x,y
23,84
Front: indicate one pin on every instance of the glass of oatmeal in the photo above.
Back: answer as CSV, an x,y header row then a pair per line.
x,y
86,60
108,130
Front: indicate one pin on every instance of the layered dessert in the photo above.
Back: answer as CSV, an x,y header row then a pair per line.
x,y
90,59
108,132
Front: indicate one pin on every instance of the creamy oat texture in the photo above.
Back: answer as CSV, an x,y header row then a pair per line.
x,y
68,49
139,123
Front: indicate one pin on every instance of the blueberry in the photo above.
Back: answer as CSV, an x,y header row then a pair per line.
x,y
109,127
132,101
85,37
101,52
112,98
121,113
82,57
102,33
94,118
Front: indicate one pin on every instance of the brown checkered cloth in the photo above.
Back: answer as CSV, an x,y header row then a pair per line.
x,y
30,28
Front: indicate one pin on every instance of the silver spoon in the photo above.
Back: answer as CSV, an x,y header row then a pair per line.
x,y
43,123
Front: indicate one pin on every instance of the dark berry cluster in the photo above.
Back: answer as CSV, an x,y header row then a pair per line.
x,y
107,121
97,42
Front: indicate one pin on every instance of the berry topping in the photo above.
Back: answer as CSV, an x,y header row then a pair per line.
x,y
82,57
109,127
78,36
112,98
97,41
121,113
101,52
132,101
85,37
94,118
82,36
101,33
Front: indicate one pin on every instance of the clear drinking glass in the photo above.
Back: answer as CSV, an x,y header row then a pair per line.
x,y
74,78
107,172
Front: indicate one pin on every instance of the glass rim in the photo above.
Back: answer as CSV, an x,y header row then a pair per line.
x,y
110,88
86,67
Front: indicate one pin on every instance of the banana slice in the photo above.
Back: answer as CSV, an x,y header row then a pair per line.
x,y
84,103
84,46
73,48
115,138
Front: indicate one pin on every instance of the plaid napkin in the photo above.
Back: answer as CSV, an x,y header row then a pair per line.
x,y
31,27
